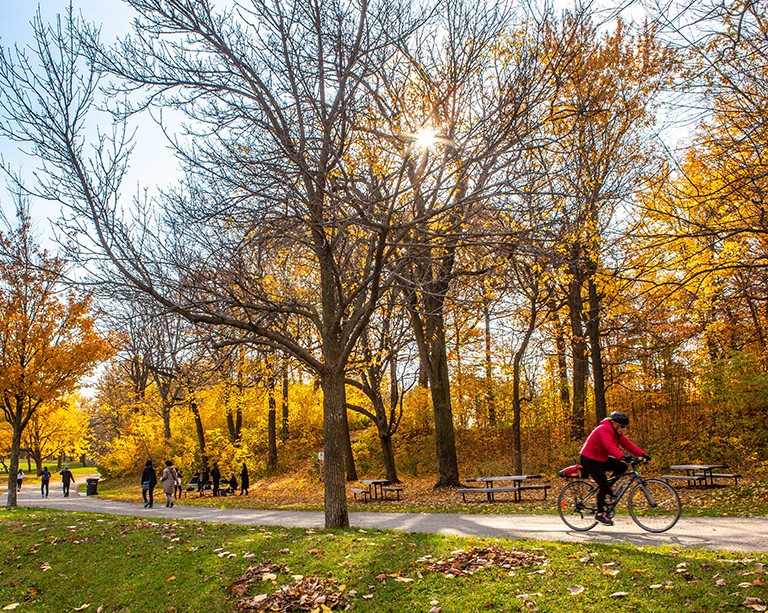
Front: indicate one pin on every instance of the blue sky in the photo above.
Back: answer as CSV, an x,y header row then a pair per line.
x,y
150,162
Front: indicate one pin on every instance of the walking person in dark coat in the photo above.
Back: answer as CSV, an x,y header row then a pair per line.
x,y
66,479
244,483
148,483
216,478
45,480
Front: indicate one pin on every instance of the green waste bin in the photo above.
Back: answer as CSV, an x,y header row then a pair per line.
x,y
90,486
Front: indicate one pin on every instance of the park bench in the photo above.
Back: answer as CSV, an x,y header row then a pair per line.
x,y
701,475
690,479
713,476
392,489
491,492
358,491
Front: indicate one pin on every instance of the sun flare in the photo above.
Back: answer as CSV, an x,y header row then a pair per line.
x,y
426,138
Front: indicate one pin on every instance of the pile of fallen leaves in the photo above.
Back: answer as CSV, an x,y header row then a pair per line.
x,y
469,562
303,594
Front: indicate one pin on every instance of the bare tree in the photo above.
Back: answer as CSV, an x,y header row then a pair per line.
x,y
275,94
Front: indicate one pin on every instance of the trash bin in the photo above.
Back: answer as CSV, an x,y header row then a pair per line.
x,y
91,484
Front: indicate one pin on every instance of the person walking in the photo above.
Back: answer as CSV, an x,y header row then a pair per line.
x,y
244,483
177,488
66,479
19,480
169,482
45,480
216,478
148,483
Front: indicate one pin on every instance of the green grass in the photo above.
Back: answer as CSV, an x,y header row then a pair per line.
x,y
60,561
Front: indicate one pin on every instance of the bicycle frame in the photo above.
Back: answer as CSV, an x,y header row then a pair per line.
x,y
629,478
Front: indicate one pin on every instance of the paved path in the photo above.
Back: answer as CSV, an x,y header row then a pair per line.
x,y
726,533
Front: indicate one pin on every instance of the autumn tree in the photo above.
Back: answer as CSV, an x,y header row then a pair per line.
x,y
56,429
48,336
600,153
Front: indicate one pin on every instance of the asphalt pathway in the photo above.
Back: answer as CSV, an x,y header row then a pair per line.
x,y
722,533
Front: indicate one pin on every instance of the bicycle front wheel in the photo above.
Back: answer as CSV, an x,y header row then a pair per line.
x,y
654,505
577,505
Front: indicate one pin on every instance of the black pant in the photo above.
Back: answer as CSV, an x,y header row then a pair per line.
x,y
44,488
597,470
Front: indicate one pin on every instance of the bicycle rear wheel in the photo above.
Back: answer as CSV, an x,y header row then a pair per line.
x,y
577,505
654,505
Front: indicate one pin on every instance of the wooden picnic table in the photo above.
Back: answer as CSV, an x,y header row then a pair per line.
x,y
375,487
699,474
491,488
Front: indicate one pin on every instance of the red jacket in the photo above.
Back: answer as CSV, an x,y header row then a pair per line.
x,y
604,442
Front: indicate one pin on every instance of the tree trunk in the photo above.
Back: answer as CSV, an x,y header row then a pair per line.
x,y
562,366
349,458
334,407
200,433
166,423
489,392
579,351
598,373
517,400
388,455
284,431
445,437
272,427
13,468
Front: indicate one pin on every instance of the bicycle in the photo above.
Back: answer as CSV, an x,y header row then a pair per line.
x,y
653,504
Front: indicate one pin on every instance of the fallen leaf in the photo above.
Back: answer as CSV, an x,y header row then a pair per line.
x,y
171,578
619,594
11,607
82,607
611,572
576,589
655,586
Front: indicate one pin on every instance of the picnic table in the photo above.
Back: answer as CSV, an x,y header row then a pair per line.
x,y
377,489
703,475
491,488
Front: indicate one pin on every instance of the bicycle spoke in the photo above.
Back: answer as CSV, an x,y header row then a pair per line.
x,y
577,505
654,505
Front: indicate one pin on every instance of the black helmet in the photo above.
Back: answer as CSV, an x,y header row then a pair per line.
x,y
620,418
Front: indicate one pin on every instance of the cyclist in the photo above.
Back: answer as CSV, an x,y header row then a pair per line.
x,y
602,452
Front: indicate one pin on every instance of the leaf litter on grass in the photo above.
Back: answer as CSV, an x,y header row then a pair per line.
x,y
469,562
302,594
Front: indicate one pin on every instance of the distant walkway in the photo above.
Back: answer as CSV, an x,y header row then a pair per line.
x,y
726,533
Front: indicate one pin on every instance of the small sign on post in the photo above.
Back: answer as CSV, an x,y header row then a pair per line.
x,y
321,462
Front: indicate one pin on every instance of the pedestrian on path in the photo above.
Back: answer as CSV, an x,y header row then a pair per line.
x,y
177,489
244,483
19,479
169,482
66,479
148,483
45,479
216,478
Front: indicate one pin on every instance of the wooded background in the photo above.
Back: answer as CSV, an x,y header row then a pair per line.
x,y
423,239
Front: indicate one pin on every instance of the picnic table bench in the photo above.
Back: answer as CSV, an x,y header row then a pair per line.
x,y
378,489
701,475
491,489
